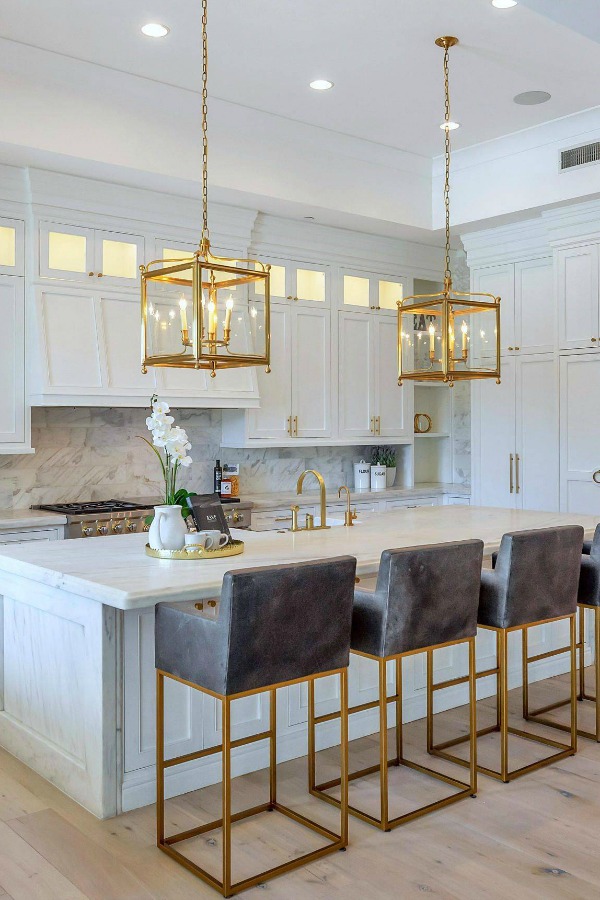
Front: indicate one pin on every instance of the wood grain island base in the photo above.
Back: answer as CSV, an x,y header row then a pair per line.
x,y
77,660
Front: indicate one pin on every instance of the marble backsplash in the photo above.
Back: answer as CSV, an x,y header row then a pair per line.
x,y
96,454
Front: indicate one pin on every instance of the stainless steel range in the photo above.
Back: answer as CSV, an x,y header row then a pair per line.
x,y
99,518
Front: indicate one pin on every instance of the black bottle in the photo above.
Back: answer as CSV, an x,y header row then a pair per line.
x,y
218,477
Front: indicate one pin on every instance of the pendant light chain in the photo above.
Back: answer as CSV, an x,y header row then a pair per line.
x,y
205,242
448,273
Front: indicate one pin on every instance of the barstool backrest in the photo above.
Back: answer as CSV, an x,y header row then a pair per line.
x,y
272,624
595,545
428,595
535,578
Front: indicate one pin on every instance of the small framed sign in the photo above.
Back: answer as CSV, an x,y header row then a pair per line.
x,y
208,513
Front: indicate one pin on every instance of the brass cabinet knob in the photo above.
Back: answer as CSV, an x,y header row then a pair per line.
x,y
289,297
100,275
91,274
594,340
517,348
511,348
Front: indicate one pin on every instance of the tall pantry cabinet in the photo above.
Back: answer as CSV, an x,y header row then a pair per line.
x,y
536,437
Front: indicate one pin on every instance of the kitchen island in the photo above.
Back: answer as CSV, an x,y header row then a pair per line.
x,y
77,666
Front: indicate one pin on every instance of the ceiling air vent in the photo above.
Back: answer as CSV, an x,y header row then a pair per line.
x,y
580,156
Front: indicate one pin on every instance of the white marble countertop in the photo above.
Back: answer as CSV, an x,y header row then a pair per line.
x,y
11,519
277,499
116,571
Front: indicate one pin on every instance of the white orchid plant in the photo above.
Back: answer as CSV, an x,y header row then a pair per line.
x,y
173,441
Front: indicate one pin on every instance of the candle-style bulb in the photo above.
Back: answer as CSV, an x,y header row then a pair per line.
x,y
183,313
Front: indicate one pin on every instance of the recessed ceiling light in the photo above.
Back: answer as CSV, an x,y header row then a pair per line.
x,y
153,29
504,4
450,126
321,84
532,98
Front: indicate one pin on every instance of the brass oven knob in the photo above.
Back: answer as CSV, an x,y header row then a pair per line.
x,y
117,526
86,530
236,517
130,526
146,526
101,528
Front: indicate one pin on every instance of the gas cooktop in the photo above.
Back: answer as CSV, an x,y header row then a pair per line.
x,y
94,507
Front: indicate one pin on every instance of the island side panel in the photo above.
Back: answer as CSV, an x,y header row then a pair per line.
x,y
59,690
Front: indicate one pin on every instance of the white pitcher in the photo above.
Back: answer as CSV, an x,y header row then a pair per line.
x,y
168,530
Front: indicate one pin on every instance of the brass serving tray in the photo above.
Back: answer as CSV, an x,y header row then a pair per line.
x,y
233,548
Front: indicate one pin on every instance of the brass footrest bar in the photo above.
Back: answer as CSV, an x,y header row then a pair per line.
x,y
502,726
166,843
384,822
537,715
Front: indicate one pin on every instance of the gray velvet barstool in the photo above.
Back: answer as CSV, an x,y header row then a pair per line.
x,y
588,598
534,582
273,626
425,598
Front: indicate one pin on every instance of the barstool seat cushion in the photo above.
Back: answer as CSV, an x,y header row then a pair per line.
x,y
424,596
271,625
589,577
535,577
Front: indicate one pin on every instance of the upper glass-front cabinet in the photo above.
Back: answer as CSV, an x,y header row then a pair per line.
x,y
361,290
83,254
298,282
11,247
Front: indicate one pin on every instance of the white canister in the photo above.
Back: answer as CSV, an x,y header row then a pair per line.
x,y
378,478
362,476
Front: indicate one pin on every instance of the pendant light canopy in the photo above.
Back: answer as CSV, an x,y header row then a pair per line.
x,y
451,335
204,311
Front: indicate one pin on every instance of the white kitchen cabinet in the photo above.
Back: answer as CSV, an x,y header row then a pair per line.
x,y
527,306
516,436
31,534
412,503
500,282
79,253
298,282
14,429
577,283
580,433
367,292
89,353
371,403
11,246
295,397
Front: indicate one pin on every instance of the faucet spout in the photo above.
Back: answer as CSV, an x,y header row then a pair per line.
x,y
323,496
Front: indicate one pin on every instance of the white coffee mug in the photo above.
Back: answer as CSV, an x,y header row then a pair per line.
x,y
212,540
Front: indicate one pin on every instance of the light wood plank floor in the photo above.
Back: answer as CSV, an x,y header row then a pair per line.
x,y
535,838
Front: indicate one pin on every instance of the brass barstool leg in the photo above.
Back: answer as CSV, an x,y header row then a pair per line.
x,y
503,703
344,757
573,658
581,653
160,758
273,747
429,701
525,658
311,736
383,749
472,716
226,716
498,682
399,710
597,667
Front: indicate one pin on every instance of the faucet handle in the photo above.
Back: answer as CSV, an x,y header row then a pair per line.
x,y
295,510
310,522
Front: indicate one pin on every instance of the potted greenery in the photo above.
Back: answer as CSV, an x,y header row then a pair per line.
x,y
386,456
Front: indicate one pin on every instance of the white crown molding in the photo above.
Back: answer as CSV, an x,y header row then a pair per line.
x,y
573,224
52,193
14,187
507,243
280,237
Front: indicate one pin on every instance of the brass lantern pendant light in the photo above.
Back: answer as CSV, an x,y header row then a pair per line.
x,y
448,336
205,311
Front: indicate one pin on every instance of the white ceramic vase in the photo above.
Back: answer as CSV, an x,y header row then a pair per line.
x,y
390,476
168,530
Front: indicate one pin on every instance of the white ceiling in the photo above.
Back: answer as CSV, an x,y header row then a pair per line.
x,y
379,53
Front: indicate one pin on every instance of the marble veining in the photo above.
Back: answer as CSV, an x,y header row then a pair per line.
x,y
118,574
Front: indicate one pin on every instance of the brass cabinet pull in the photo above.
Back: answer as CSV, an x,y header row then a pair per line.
x,y
289,427
378,424
295,426
372,428
511,474
282,518
595,478
517,461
